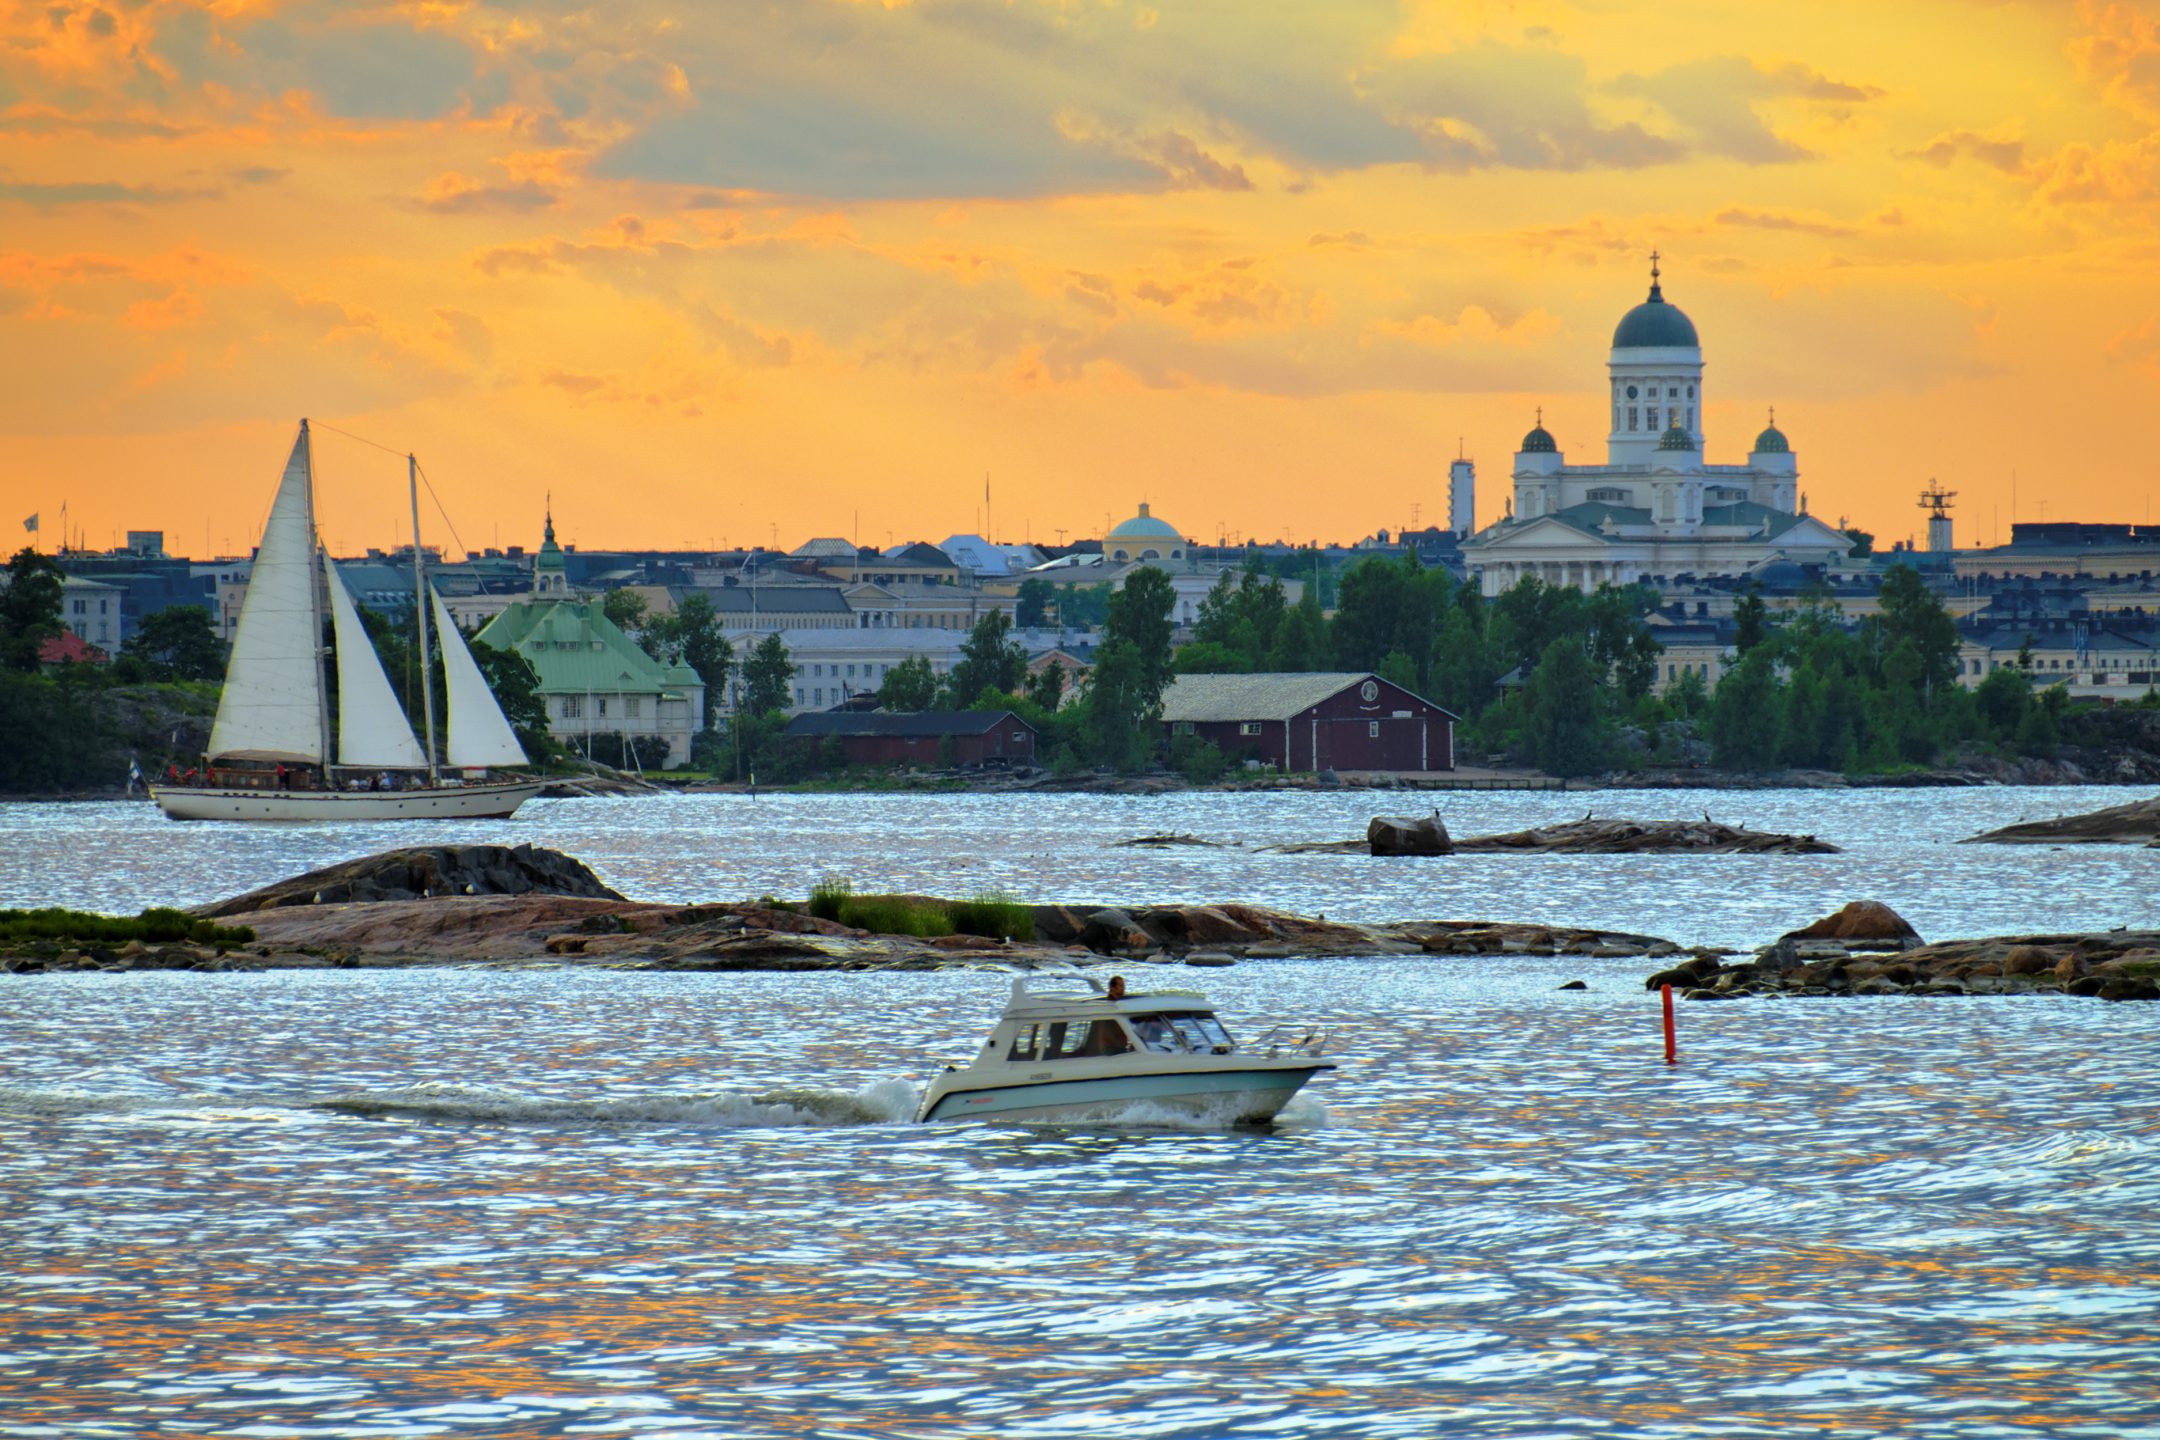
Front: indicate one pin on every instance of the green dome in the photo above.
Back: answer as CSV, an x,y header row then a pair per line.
x,y
1676,439
1772,442
1539,442
1655,325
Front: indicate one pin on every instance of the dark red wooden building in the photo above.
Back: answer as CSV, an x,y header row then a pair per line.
x,y
979,737
1312,721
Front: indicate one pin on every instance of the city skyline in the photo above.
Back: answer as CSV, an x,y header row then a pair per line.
x,y
752,276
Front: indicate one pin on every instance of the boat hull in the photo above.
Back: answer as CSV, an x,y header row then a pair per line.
x,y
1230,1097
454,802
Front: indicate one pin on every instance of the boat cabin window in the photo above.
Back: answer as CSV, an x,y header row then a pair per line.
x,y
1083,1039
1176,1032
1023,1046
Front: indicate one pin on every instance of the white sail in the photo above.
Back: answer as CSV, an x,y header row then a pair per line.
x,y
272,708
480,734
372,728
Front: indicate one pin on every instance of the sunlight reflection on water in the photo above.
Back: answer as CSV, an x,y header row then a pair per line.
x,y
475,1203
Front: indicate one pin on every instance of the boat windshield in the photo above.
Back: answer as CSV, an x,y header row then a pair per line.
x,y
1187,1032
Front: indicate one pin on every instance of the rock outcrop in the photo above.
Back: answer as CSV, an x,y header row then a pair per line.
x,y
2137,823
425,872
1598,837
1862,925
1410,835
1644,837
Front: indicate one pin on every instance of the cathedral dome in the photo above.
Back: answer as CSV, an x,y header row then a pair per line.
x,y
1772,442
1539,442
1145,527
1676,439
1654,324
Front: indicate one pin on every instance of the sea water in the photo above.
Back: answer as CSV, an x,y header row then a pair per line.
x,y
482,1202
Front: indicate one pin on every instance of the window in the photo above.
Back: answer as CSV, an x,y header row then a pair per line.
x,y
1181,727
1023,1046
1691,417
1672,392
572,707
602,711
1372,729
631,706
1631,417
1248,727
1631,392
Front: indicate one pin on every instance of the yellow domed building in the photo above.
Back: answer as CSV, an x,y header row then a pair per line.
x,y
1144,537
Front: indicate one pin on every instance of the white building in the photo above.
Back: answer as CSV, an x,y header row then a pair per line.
x,y
1654,510
91,609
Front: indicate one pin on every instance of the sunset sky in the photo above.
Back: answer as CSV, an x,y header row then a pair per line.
x,y
736,272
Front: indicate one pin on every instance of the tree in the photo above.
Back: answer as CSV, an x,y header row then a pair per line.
x,y
1912,612
1033,609
704,648
989,660
626,610
29,608
1140,616
176,643
1301,640
1751,618
767,678
1561,723
1863,544
1208,657
2003,699
908,686
1398,669
1744,716
1046,690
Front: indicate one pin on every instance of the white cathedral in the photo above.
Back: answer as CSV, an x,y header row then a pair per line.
x,y
1653,511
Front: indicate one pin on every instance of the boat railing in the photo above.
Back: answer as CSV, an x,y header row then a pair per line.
x,y
1289,1040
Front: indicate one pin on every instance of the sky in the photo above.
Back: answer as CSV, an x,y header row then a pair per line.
x,y
747,273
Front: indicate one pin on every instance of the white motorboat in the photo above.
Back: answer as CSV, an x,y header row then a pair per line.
x,y
1082,1052
271,751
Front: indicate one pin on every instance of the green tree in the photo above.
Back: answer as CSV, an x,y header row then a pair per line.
x,y
30,596
1912,613
1301,641
990,659
1863,544
2003,699
1744,716
767,678
698,639
1033,609
1046,689
1140,616
176,643
1209,657
1561,723
1751,620
1400,669
626,609
908,686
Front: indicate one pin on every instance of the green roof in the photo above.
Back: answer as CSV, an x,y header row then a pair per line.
x,y
576,649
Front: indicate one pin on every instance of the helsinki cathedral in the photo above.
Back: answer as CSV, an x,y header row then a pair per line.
x,y
1653,511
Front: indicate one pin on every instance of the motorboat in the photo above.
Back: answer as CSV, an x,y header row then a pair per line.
x,y
1074,1050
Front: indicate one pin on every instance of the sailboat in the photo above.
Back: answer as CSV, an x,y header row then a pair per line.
x,y
271,752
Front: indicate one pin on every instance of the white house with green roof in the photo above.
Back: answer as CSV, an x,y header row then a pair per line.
x,y
595,679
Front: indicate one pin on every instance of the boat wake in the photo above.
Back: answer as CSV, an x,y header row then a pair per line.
x,y
1303,1113
883,1102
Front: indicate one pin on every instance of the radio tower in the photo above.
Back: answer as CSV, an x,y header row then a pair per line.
x,y
1936,501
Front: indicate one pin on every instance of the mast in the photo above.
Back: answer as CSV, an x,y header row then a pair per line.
x,y
315,599
420,616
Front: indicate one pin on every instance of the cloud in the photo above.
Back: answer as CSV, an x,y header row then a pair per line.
x,y
2115,173
570,380
455,195
2122,53
359,65
2006,155
466,333
2139,346
1778,220
94,192
1716,100
1517,107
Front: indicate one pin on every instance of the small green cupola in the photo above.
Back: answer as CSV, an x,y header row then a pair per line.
x,y
1772,440
1677,439
1539,441
550,575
